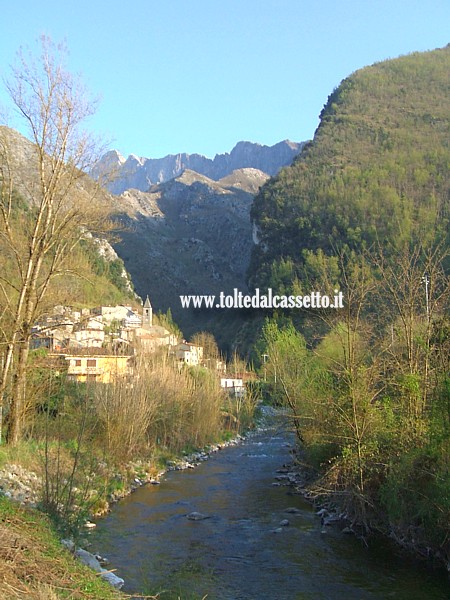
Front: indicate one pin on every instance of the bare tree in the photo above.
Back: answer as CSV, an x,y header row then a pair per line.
x,y
418,290
207,341
53,104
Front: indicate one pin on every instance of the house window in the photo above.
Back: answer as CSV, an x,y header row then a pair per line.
x,y
78,362
91,362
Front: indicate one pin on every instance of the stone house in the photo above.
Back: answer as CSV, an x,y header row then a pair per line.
x,y
149,340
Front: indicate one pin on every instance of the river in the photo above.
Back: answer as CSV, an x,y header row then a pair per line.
x,y
241,551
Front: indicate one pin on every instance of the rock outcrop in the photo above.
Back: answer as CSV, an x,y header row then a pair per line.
x,y
190,235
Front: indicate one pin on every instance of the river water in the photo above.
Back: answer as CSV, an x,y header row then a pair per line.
x,y
240,552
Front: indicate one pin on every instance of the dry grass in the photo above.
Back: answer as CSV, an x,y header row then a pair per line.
x,y
165,406
33,564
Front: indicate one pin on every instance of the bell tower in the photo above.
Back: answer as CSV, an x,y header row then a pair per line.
x,y
147,315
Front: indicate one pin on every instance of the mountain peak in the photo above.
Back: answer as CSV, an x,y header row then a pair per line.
x,y
113,157
141,173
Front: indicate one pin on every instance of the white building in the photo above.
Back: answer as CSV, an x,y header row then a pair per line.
x,y
90,333
234,385
191,354
125,315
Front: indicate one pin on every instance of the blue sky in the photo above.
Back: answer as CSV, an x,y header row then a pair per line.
x,y
200,75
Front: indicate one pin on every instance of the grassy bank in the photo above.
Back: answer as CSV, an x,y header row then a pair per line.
x,y
34,565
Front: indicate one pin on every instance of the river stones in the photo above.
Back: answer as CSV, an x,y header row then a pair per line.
x,y
348,531
293,510
93,562
196,516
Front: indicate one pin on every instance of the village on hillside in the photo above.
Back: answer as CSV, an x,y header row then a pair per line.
x,y
101,344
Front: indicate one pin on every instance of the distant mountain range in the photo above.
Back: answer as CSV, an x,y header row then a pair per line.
x,y
141,173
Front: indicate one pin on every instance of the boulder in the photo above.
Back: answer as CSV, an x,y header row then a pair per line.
x,y
116,582
93,563
293,510
196,516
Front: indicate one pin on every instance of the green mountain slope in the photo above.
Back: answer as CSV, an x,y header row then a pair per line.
x,y
376,171
94,273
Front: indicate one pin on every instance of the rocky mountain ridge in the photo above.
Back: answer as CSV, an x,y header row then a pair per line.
x,y
184,224
141,173
189,235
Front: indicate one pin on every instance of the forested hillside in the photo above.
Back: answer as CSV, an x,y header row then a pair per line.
x,y
376,172
365,210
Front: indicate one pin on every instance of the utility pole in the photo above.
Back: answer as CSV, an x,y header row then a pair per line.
x,y
265,357
426,280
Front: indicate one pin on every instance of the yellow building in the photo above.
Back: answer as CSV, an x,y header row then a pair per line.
x,y
101,368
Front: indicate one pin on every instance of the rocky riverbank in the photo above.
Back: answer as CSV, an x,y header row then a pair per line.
x,y
329,513
20,485
25,486
303,481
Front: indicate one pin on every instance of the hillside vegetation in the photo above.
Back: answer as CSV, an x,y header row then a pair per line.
x,y
376,172
365,209
90,278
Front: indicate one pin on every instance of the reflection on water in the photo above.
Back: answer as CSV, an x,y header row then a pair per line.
x,y
240,552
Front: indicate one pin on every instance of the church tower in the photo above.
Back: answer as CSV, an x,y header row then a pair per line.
x,y
147,315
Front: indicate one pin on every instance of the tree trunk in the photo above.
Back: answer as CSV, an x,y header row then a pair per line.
x,y
18,396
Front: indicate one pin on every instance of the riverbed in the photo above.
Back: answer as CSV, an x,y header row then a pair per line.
x,y
258,541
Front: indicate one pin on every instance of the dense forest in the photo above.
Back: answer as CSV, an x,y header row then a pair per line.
x,y
375,174
365,209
